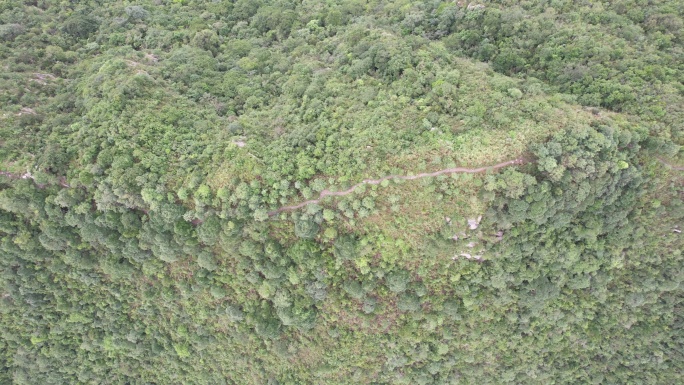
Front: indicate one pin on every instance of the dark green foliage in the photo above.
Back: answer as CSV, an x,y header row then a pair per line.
x,y
299,315
306,228
80,25
147,147
353,288
369,305
217,292
234,314
206,261
345,248
209,230
409,302
268,327
452,309
398,281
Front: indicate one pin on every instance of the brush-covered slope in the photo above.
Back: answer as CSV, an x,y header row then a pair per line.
x,y
151,154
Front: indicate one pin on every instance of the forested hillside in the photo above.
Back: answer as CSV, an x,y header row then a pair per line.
x,y
341,192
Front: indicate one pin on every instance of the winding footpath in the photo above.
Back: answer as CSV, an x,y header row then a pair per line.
x,y
62,180
670,165
328,193
461,170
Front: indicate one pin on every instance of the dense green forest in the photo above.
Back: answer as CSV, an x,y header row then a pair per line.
x,y
152,153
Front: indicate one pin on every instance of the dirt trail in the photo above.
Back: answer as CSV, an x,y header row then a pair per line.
x,y
670,165
62,180
327,193
463,170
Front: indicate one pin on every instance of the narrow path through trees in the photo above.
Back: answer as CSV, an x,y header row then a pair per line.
x,y
28,175
327,193
463,170
670,165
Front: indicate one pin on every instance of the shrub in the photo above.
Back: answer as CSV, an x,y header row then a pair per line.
x,y
353,288
206,261
208,232
398,281
452,309
234,314
369,305
306,228
218,292
408,302
345,248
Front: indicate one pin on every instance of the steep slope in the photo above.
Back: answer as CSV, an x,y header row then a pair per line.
x,y
158,237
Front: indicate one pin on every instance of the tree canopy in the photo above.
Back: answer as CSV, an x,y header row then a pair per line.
x,y
255,192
